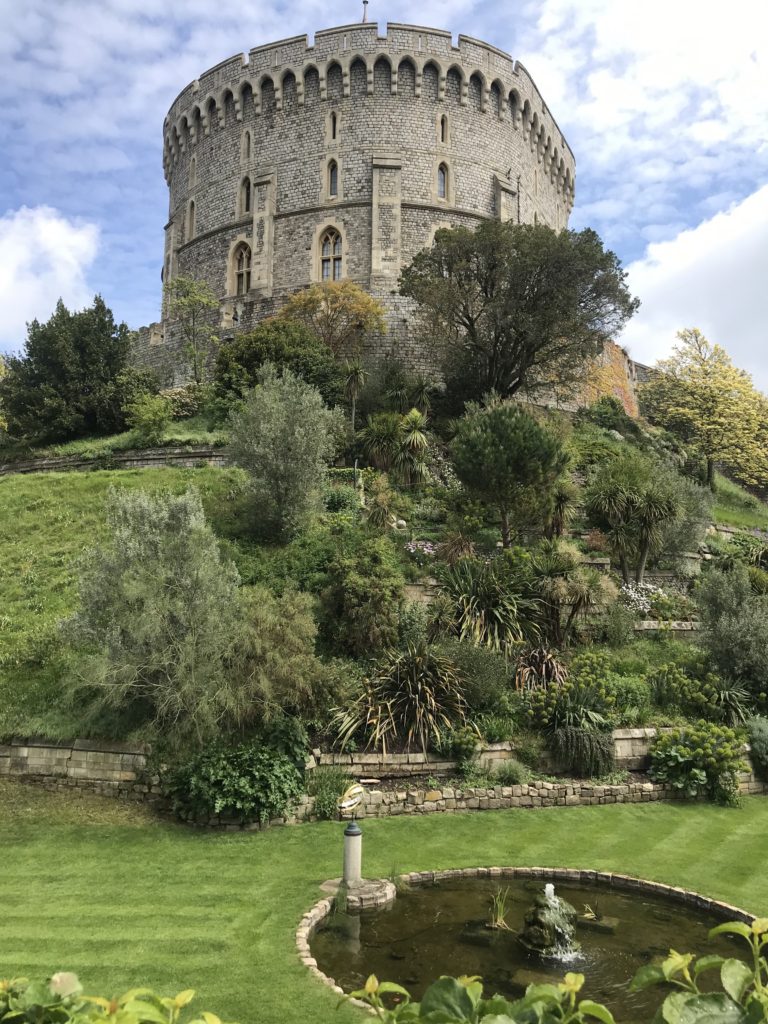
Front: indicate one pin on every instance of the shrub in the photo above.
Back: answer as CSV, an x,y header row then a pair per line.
x,y
187,400
496,728
247,782
341,499
618,626
486,675
736,628
326,784
362,600
148,416
539,667
511,773
700,758
487,608
583,701
414,696
59,999
632,699
757,733
583,752
672,688
529,748
283,436
413,623
462,745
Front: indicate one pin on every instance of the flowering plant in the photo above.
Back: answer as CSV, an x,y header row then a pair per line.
x,y
421,551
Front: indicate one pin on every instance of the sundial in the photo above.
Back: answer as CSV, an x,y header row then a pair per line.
x,y
351,798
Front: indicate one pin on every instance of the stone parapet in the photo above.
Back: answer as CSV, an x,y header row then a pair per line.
x,y
147,458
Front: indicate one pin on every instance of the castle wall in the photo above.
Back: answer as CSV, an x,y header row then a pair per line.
x,y
503,153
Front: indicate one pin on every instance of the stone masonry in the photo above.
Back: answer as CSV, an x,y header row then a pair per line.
x,y
422,134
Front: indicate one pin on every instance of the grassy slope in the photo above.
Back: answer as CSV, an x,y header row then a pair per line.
x,y
45,522
736,507
94,887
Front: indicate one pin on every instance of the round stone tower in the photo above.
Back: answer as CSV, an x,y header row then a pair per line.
x,y
302,163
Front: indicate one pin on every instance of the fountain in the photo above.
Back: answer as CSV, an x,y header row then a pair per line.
x,y
549,926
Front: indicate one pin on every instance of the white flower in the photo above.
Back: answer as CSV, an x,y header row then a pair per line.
x,y
64,984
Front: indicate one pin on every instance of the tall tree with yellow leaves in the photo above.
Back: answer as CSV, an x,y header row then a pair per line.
x,y
711,405
340,313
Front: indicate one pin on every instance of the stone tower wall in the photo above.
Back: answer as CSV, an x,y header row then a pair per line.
x,y
504,154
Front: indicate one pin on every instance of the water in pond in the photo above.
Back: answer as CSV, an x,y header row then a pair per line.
x,y
441,929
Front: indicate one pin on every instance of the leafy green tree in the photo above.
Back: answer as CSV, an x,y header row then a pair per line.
x,y
193,305
699,395
148,416
397,444
636,501
286,345
500,454
72,378
172,642
339,313
735,634
517,307
283,437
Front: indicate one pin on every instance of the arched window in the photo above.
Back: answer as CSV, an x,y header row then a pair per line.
x,y
333,179
242,262
193,172
245,196
442,181
191,220
246,146
334,124
330,255
443,128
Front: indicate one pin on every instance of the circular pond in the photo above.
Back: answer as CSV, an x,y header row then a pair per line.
x,y
442,928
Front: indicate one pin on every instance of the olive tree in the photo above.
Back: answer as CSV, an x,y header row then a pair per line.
x,y
283,437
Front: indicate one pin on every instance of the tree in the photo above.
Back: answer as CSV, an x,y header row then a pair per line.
x,y
72,378
340,313
286,345
398,444
501,454
283,437
517,307
699,395
636,500
192,303
172,641
3,421
354,382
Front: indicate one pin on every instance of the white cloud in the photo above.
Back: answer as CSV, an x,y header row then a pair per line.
x,y
43,257
712,277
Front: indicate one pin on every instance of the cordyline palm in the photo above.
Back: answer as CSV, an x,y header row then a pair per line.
x,y
381,438
653,510
487,608
565,588
354,382
409,458
612,505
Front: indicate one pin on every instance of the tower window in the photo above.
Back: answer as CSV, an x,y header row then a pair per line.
x,y
191,220
334,124
245,196
330,255
193,172
443,128
246,146
442,181
333,179
242,260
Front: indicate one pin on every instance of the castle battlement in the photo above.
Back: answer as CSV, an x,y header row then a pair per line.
x,y
506,89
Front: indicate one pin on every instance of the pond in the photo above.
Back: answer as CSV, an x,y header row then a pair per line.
x,y
442,929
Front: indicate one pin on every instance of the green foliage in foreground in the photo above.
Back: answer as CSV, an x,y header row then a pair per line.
x,y
60,1000
743,999
699,759
63,889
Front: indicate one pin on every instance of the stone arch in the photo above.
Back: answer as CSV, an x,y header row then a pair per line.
x,y
246,146
406,77
334,80
210,114
265,91
311,84
382,74
245,105
527,117
329,232
496,95
455,84
196,122
431,80
239,263
358,77
289,89
182,131
515,107
475,91
227,106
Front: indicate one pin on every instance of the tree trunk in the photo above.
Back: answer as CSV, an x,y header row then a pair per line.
x,y
353,415
624,568
640,571
710,473
505,533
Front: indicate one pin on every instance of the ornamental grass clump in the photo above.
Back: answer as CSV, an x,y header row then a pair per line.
x,y
700,759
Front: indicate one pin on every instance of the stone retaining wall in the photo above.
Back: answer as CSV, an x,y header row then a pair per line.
x,y
121,771
182,457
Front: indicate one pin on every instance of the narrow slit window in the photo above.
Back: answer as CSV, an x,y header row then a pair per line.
x,y
443,128
247,146
333,125
442,181
191,220
333,179
331,256
245,196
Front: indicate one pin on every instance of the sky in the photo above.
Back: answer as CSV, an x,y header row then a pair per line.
x,y
664,103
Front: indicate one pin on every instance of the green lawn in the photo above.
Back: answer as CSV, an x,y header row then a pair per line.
x,y
46,520
736,507
99,888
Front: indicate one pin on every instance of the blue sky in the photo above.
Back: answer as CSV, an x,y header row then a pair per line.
x,y
664,102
